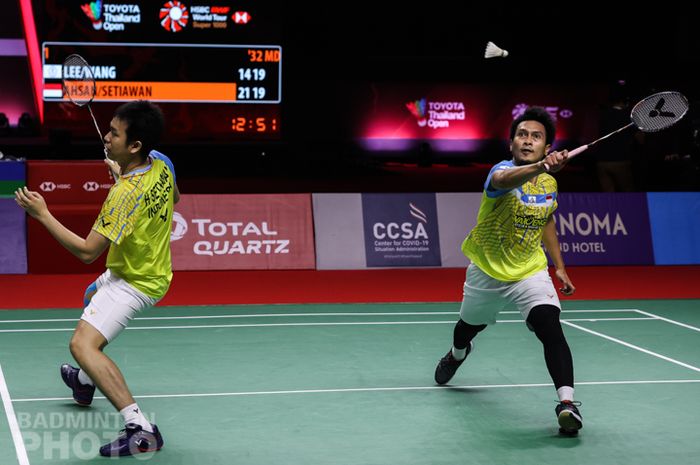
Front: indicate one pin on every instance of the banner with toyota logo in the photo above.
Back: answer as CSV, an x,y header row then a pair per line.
x,y
243,232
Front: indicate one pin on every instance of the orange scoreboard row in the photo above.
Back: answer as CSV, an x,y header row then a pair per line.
x,y
189,73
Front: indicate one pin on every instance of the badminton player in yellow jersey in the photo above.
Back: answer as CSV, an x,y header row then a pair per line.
x,y
135,223
508,265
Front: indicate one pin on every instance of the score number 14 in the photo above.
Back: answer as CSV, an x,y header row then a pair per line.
x,y
251,93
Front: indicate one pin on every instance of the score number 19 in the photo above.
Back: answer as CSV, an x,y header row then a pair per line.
x,y
251,74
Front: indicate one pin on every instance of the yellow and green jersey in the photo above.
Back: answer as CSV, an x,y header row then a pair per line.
x,y
137,218
506,241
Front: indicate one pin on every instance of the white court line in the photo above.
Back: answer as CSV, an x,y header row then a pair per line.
x,y
632,346
250,315
607,310
376,389
319,323
265,315
674,322
12,421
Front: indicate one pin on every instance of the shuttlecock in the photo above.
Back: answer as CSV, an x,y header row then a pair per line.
x,y
494,51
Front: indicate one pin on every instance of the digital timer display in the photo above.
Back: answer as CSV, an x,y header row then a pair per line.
x,y
253,124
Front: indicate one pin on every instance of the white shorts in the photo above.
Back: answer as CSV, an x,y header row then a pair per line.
x,y
114,304
485,296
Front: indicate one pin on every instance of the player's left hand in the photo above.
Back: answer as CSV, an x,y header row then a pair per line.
x,y
114,169
568,287
31,201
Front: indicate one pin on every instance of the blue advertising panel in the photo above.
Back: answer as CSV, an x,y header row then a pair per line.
x,y
13,238
401,230
675,227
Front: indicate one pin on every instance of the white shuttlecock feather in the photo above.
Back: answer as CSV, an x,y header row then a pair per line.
x,y
494,51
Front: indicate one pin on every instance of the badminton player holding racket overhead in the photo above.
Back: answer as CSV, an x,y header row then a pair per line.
x,y
135,224
508,265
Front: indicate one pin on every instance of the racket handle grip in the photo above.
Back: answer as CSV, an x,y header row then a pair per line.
x,y
578,150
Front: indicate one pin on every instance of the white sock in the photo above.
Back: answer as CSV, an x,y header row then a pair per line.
x,y
565,393
459,354
84,378
132,414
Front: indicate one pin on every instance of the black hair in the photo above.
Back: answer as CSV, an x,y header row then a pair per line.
x,y
144,122
540,115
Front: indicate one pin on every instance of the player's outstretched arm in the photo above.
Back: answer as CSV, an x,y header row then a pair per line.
x,y
87,250
519,175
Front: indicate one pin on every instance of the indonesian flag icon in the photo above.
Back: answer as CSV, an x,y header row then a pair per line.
x,y
241,17
53,90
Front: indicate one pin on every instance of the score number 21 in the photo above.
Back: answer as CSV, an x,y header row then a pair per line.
x,y
251,74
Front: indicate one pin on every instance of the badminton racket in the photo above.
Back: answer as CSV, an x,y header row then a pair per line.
x,y
652,114
80,88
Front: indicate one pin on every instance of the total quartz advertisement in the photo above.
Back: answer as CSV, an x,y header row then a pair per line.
x,y
239,232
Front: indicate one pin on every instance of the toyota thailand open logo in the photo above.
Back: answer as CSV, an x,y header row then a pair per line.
x,y
93,11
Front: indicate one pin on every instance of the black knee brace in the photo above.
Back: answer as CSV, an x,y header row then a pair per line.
x,y
464,333
543,320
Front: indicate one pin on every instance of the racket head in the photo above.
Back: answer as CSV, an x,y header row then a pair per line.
x,y
659,111
78,80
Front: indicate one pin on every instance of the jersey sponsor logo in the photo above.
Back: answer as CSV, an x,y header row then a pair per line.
x,y
529,222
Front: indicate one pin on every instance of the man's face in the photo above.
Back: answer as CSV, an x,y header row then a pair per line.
x,y
115,142
529,143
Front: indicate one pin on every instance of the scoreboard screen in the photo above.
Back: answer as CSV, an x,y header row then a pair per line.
x,y
214,68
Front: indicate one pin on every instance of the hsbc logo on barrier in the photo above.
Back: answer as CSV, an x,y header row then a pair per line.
x,y
88,186
92,186
47,186
50,186
69,182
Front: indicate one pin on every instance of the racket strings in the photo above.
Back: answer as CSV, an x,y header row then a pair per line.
x,y
659,111
78,80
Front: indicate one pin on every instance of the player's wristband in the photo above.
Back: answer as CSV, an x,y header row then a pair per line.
x,y
544,165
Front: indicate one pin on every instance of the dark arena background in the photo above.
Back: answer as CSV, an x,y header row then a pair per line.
x,y
331,159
